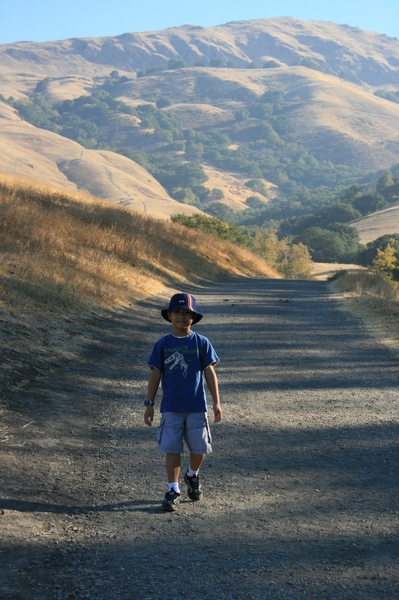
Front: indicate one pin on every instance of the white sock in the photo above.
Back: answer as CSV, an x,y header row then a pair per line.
x,y
174,486
191,473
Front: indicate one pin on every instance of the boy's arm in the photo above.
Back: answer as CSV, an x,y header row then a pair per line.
x,y
153,385
212,383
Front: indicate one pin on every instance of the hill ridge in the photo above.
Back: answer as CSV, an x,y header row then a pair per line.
x,y
328,74
342,48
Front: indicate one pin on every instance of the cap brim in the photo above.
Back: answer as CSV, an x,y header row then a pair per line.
x,y
165,311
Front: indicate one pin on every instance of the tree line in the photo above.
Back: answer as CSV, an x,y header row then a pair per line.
x,y
314,207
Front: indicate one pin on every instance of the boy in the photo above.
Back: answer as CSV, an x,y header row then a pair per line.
x,y
181,360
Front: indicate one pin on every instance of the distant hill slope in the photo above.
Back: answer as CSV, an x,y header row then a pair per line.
x,y
334,119
327,72
378,224
365,58
48,158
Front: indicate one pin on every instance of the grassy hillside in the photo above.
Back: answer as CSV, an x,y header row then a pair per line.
x,y
46,157
68,259
378,224
375,299
253,122
201,95
366,58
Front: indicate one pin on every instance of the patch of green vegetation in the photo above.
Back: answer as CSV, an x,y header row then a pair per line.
x,y
317,199
388,95
286,257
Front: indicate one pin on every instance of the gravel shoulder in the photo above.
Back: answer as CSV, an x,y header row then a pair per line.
x,y
300,493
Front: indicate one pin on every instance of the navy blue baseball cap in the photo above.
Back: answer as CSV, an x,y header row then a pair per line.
x,y
185,301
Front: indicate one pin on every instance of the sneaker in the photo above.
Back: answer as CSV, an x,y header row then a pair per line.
x,y
194,491
171,501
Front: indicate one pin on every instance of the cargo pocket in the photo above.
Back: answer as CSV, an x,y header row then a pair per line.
x,y
208,431
160,431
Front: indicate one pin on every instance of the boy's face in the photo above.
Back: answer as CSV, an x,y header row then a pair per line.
x,y
181,320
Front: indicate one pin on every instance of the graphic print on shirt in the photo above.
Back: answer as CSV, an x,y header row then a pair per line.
x,y
177,360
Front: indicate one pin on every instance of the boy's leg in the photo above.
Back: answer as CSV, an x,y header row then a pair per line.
x,y
170,441
191,477
172,496
173,467
196,461
198,439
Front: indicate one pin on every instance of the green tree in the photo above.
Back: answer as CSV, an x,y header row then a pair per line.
x,y
388,95
43,85
176,63
386,262
212,226
367,256
137,156
310,64
194,151
350,237
275,97
369,203
338,213
216,63
293,261
323,245
264,243
164,102
241,115
172,174
351,192
295,225
219,210
185,195
216,194
296,263
38,112
271,64
257,186
267,133
385,180
255,203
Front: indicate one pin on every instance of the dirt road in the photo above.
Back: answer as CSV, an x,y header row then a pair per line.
x,y
300,494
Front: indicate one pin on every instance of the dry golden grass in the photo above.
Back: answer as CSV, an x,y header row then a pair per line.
x,y
48,158
326,271
65,258
234,188
378,224
374,299
367,283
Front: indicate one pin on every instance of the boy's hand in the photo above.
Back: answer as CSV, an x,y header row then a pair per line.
x,y
149,415
217,411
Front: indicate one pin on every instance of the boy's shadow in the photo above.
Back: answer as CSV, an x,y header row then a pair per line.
x,y
31,507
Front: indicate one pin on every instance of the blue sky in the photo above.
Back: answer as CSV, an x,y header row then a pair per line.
x,y
46,20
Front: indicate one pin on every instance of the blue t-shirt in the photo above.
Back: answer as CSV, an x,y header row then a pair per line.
x,y
182,362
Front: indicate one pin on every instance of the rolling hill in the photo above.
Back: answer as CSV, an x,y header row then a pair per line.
x,y
328,75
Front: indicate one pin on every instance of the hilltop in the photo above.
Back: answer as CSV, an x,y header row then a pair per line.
x,y
364,58
297,105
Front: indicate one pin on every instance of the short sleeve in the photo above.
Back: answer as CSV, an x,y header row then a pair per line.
x,y
156,358
208,354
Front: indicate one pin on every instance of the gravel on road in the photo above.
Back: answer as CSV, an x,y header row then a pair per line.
x,y
300,493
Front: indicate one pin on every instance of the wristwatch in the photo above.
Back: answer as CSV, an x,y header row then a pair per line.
x,y
149,403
